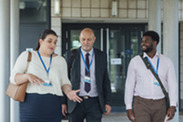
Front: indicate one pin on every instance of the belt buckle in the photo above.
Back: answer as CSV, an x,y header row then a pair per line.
x,y
85,97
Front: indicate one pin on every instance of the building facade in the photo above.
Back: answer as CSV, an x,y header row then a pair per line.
x,y
118,26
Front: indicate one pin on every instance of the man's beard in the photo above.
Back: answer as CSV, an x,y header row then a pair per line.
x,y
148,49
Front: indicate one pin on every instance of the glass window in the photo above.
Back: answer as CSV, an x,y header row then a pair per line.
x,y
75,42
33,10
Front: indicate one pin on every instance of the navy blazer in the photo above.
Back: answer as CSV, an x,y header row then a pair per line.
x,y
101,75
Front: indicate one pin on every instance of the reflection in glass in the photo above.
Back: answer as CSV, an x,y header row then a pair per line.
x,y
33,10
75,43
122,47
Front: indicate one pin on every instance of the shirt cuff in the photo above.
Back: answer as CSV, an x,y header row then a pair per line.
x,y
173,103
128,106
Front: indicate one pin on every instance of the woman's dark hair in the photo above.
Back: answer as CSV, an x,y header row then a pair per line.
x,y
43,35
153,35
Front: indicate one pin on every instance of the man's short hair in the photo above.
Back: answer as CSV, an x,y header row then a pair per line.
x,y
153,35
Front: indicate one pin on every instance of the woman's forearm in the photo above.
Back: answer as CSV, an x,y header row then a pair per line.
x,y
21,78
66,88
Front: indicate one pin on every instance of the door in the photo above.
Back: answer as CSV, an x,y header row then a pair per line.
x,y
122,45
34,18
70,34
121,42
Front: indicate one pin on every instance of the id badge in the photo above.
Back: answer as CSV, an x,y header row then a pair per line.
x,y
47,83
156,82
87,79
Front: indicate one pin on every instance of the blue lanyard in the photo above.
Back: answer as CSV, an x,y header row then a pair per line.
x,y
47,70
88,69
157,66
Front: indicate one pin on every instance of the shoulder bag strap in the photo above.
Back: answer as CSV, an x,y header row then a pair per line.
x,y
148,65
28,60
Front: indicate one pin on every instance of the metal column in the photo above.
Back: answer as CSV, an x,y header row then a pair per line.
x,y
5,59
154,22
170,37
14,45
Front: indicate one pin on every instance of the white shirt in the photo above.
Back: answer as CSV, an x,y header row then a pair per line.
x,y
93,92
57,73
141,82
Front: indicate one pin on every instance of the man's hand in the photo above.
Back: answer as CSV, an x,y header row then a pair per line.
x,y
64,109
130,115
171,112
108,109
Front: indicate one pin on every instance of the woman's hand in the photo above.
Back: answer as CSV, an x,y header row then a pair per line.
x,y
28,77
72,95
34,79
64,109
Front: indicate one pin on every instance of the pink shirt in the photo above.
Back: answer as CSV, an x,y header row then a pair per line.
x,y
141,82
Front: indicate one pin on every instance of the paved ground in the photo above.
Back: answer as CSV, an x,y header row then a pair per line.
x,y
121,117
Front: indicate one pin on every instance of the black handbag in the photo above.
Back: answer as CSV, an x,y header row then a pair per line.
x,y
148,65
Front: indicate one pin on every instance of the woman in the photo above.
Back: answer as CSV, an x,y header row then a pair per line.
x,y
47,76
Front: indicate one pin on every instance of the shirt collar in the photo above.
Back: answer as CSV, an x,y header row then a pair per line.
x,y
84,52
156,55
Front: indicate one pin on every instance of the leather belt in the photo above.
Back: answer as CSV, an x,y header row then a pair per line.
x,y
87,97
152,100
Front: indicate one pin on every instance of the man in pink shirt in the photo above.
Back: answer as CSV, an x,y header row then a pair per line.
x,y
144,99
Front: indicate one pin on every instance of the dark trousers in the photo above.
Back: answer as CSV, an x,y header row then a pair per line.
x,y
148,110
88,109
